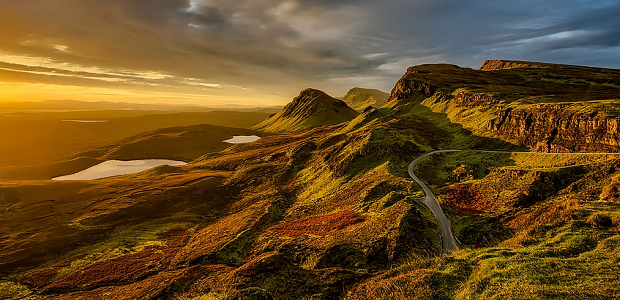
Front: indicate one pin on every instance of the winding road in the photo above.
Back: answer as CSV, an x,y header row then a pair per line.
x,y
449,242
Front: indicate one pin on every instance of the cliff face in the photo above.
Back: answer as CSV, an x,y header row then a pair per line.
x,y
550,108
407,88
558,128
490,65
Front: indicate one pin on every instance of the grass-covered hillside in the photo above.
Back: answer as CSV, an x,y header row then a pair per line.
x,y
292,215
311,109
331,212
533,226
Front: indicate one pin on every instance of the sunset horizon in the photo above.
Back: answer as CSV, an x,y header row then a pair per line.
x,y
215,52
309,149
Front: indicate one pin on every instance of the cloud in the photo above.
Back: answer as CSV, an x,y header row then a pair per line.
x,y
277,47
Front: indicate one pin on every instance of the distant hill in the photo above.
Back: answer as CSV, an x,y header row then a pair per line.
x,y
495,64
179,143
312,108
40,139
184,143
360,98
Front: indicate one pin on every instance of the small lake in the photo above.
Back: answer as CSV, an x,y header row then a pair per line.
x,y
118,167
242,139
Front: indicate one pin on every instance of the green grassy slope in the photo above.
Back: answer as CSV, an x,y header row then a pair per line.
x,y
312,108
535,229
321,208
533,226
553,109
327,213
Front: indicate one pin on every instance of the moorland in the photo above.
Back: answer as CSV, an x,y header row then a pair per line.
x,y
323,206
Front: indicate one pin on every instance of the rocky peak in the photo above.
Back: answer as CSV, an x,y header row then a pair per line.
x,y
311,108
309,102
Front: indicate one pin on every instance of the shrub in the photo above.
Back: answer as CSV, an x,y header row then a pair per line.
x,y
466,198
600,220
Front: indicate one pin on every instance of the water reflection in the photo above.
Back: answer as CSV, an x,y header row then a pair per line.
x,y
118,167
242,139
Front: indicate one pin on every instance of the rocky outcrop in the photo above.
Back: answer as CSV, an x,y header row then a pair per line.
x,y
425,80
469,99
407,88
551,114
558,128
490,65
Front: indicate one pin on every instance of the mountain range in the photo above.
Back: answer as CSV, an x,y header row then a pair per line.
x,y
324,207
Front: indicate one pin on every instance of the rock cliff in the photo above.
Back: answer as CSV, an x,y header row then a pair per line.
x,y
511,64
558,128
550,108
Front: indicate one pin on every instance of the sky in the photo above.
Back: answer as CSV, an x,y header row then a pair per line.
x,y
263,52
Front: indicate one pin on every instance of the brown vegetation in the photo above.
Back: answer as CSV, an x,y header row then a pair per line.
x,y
611,192
465,198
149,288
125,268
318,213
319,225
39,278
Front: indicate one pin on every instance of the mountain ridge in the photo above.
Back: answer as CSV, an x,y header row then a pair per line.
x,y
557,108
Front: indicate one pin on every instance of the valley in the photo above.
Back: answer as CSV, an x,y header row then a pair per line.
x,y
498,183
43,145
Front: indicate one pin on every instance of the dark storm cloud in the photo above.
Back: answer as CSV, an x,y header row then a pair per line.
x,y
283,46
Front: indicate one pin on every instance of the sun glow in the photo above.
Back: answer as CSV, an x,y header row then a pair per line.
x,y
31,78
